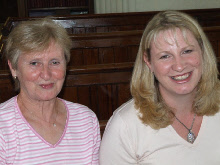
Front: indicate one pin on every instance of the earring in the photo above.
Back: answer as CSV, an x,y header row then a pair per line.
x,y
15,77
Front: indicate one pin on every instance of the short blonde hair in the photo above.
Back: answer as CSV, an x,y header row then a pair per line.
x,y
144,87
35,36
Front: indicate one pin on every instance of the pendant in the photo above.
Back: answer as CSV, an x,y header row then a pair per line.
x,y
54,124
191,137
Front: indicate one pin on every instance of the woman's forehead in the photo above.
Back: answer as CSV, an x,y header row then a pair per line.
x,y
54,50
173,37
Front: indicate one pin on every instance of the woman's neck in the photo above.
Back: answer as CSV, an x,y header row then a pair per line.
x,y
41,109
180,104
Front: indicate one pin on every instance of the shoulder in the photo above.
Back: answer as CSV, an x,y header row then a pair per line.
x,y
214,118
9,103
78,111
8,117
8,107
126,111
124,116
76,108
123,136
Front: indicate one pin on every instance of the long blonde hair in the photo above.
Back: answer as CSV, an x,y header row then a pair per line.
x,y
153,111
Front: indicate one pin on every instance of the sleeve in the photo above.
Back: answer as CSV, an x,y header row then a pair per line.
x,y
97,141
116,146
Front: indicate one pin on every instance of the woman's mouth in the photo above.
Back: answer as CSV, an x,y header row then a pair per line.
x,y
47,86
181,77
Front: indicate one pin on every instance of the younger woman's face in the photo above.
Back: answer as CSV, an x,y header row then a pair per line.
x,y
176,64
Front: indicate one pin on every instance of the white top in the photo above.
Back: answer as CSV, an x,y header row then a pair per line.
x,y
127,141
20,144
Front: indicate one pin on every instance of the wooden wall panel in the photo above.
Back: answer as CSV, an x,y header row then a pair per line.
x,y
93,23
76,58
6,86
123,93
83,95
90,56
123,28
105,101
95,100
90,30
121,54
69,93
102,29
78,30
215,47
132,52
213,34
103,48
106,55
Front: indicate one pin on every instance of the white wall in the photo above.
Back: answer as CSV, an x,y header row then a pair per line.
x,y
118,6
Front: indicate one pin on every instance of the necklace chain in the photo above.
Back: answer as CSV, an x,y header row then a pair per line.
x,y
190,137
53,123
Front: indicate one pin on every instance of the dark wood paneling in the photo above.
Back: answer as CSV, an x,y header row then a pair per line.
x,y
6,86
103,48
8,8
213,34
113,47
118,21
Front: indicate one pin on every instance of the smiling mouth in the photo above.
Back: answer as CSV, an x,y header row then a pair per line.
x,y
182,77
47,86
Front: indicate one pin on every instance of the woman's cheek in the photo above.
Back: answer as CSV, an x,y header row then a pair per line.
x,y
33,76
59,74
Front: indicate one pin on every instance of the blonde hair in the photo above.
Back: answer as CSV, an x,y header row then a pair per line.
x,y
35,36
153,111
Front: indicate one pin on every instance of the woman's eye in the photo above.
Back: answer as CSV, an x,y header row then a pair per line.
x,y
164,57
55,62
34,63
187,51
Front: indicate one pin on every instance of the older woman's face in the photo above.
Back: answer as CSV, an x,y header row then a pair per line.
x,y
176,64
41,75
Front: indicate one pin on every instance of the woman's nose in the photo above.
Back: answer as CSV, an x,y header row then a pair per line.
x,y
46,73
179,64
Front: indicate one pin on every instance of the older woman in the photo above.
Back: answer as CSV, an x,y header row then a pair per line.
x,y
174,116
37,127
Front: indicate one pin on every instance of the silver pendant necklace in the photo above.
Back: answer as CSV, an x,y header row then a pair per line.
x,y
190,137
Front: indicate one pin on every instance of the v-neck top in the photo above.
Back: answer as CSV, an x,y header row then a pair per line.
x,y
21,144
127,140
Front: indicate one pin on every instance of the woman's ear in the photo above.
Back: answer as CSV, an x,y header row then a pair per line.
x,y
147,61
13,71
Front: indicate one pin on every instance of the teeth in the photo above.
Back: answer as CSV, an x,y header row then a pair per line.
x,y
181,77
